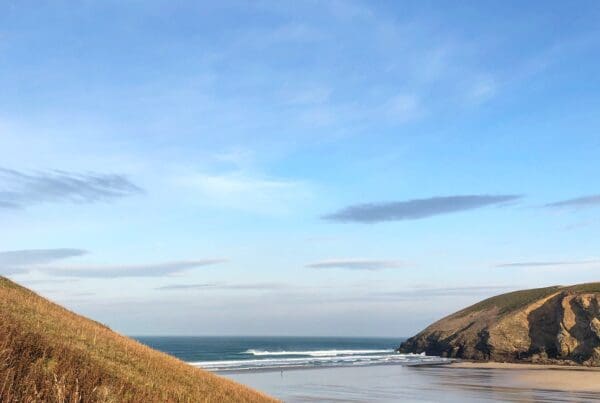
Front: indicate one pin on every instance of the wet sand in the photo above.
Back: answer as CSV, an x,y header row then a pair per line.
x,y
460,382
551,377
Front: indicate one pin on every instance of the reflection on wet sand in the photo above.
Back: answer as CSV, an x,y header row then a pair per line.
x,y
396,383
501,385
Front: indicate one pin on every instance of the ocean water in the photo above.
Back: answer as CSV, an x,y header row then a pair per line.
x,y
278,353
300,369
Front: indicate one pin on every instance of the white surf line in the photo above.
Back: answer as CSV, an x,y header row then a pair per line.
x,y
316,353
268,363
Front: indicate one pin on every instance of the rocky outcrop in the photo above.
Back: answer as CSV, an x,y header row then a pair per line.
x,y
554,325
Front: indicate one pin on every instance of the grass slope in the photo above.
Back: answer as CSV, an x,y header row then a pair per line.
x,y
49,354
512,301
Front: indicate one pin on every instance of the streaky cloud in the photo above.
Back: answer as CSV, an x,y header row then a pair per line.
x,y
584,201
217,286
546,263
21,261
357,264
49,281
187,286
443,292
416,209
141,270
37,256
8,271
19,189
8,205
256,286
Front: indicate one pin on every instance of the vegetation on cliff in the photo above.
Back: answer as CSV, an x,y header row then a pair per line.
x,y
49,354
559,325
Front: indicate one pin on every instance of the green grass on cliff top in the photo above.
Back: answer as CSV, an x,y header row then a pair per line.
x,y
512,301
589,287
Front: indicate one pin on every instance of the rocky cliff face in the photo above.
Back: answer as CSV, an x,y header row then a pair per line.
x,y
559,325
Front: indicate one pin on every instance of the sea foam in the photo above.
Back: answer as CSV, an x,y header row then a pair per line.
x,y
317,353
333,358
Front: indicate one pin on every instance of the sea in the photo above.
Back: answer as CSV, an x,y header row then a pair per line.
x,y
223,354
318,369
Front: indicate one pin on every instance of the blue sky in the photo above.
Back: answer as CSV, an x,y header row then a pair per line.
x,y
307,168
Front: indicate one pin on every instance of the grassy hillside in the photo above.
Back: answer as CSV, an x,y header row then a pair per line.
x,y
509,302
50,354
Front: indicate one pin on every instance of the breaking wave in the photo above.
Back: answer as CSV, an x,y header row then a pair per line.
x,y
280,360
317,353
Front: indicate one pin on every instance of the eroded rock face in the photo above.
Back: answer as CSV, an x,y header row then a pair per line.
x,y
558,325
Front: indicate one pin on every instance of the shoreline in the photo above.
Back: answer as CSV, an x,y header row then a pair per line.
x,y
453,364
308,368
560,378
311,367
455,383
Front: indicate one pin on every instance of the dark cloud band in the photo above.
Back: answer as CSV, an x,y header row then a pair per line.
x,y
19,189
416,209
357,264
443,292
217,286
547,264
37,256
20,261
584,201
142,270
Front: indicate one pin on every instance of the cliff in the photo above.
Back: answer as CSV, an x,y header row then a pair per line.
x,y
553,325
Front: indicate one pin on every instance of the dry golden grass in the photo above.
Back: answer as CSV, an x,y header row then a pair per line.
x,y
512,301
49,354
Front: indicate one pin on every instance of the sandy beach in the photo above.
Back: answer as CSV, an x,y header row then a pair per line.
x,y
551,377
459,382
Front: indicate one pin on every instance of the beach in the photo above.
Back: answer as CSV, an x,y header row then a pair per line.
x,y
459,382
551,377
301,369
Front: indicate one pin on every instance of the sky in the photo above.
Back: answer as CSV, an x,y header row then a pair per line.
x,y
331,168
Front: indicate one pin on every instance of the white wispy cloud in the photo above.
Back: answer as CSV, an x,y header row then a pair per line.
x,y
306,95
404,107
245,191
482,89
